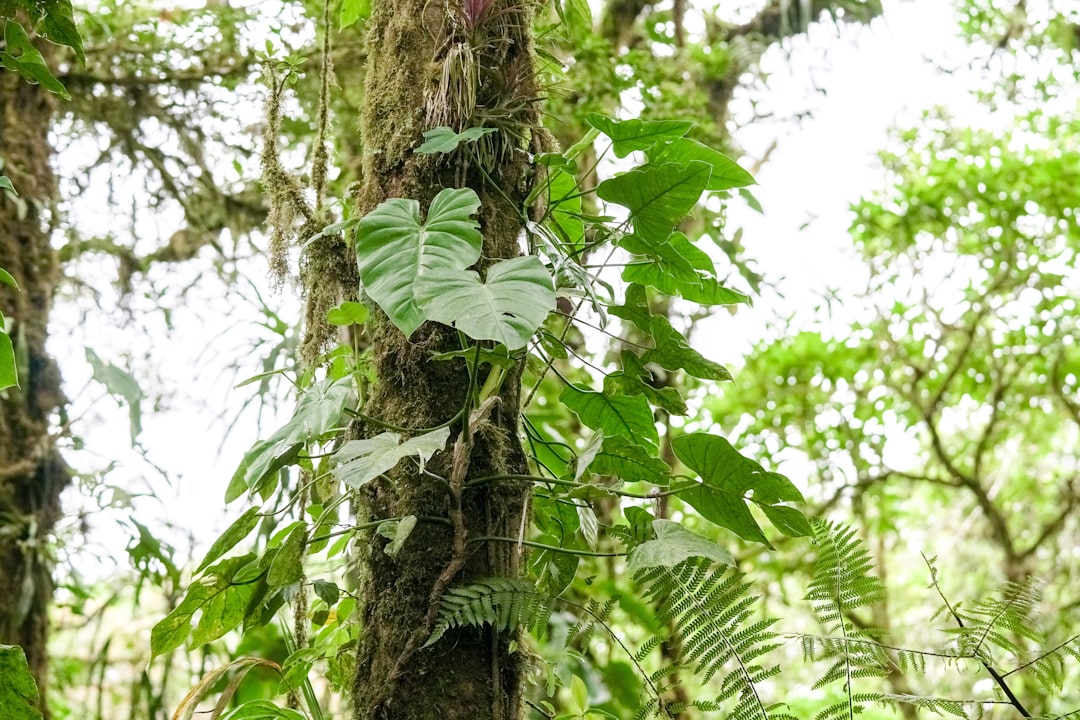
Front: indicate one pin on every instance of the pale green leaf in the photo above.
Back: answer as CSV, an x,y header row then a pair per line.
x,y
119,383
394,249
18,691
20,55
58,25
508,307
630,135
443,139
674,544
361,461
658,196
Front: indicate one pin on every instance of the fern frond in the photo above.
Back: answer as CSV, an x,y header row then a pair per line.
x,y
503,603
842,582
711,610
937,705
998,621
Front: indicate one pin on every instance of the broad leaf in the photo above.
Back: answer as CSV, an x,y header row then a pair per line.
x,y
236,532
629,462
635,379
223,606
394,249
726,173
507,308
287,566
615,414
58,25
630,135
673,352
565,214
658,196
353,10
706,291
672,545
730,482
361,461
18,691
443,139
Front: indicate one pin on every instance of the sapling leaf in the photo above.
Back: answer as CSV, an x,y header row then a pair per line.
x,y
443,139
397,532
348,313
236,532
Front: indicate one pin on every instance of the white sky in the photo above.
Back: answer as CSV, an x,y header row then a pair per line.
x,y
817,169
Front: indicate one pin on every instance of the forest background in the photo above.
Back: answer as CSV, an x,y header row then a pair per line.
x,y
910,363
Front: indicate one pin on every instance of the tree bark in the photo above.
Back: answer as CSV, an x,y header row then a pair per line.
x,y
431,63
32,472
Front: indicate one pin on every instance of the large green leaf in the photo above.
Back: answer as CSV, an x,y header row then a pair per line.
x,y
361,461
507,308
614,413
672,545
222,604
630,135
636,379
658,196
620,457
726,173
58,25
18,692
394,249
730,482
9,374
673,352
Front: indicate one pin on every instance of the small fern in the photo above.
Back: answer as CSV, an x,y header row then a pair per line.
x,y
711,611
503,603
842,582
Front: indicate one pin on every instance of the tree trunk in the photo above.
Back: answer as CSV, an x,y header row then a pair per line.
x,y
435,63
32,472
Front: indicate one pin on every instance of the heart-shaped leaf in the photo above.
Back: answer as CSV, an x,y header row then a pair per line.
x,y
658,196
394,249
507,308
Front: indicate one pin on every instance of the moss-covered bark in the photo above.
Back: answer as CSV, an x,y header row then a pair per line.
x,y
32,473
433,63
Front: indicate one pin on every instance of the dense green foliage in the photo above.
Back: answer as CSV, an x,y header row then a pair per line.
x,y
672,569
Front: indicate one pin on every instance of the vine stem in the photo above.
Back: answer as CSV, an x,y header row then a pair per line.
x,y
998,678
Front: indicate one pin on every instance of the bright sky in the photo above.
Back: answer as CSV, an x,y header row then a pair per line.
x,y
817,169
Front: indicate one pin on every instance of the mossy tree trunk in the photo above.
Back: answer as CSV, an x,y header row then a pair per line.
x,y
461,64
32,473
